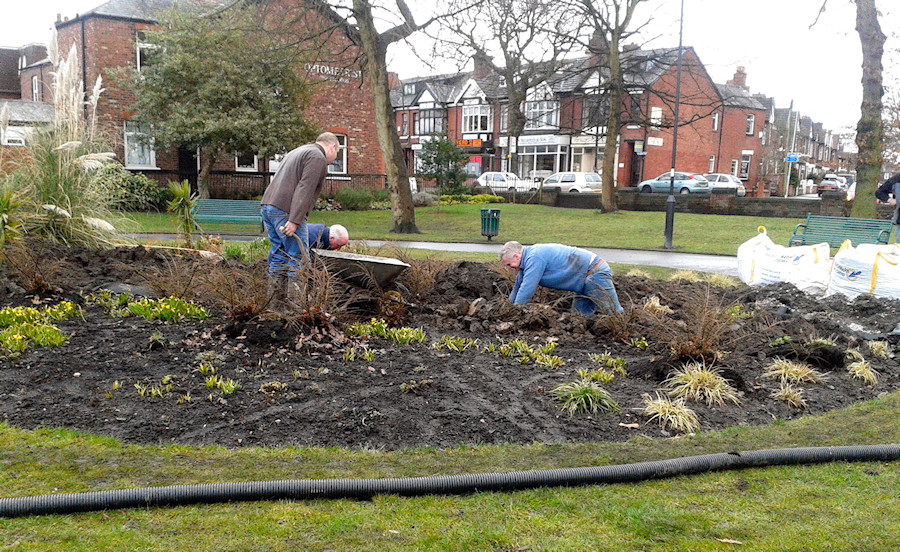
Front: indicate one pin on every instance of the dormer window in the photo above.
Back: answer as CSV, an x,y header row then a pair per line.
x,y
409,89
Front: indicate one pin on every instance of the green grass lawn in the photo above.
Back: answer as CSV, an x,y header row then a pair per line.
x,y
821,507
716,234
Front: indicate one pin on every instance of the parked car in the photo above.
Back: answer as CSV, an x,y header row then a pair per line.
x,y
722,180
574,182
832,183
685,183
505,182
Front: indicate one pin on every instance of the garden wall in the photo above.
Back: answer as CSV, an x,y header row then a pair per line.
x,y
721,202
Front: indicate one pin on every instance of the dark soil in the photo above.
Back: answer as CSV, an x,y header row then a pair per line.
x,y
449,398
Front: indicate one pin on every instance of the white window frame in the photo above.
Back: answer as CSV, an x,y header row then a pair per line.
x,y
746,159
245,168
712,164
430,125
656,117
137,131
339,165
504,117
751,122
477,118
35,88
541,114
735,165
275,162
409,89
140,47
715,121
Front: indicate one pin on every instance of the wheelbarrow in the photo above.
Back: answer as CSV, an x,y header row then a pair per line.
x,y
365,271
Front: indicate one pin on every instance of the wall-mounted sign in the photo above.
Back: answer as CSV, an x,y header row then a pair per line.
x,y
468,143
339,74
654,141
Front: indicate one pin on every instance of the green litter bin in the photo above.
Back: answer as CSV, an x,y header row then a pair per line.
x,y
490,222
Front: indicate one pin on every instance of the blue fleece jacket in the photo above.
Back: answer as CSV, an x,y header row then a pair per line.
x,y
551,265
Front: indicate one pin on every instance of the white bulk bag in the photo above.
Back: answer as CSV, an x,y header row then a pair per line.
x,y
866,270
761,262
750,254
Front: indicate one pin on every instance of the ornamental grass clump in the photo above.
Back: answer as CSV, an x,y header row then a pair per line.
x,y
790,394
56,184
583,397
671,414
879,349
697,382
792,372
455,344
862,370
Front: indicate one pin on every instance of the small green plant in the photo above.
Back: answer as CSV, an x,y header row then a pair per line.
x,y
547,348
600,376
673,414
209,357
206,369
182,207
350,354
608,361
169,310
697,382
158,341
583,397
819,342
879,349
640,343
737,312
491,348
783,340
155,390
186,398
368,355
405,336
790,394
415,386
550,362
863,371
455,344
788,371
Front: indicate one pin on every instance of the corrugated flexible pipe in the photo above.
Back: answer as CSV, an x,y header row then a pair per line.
x,y
298,489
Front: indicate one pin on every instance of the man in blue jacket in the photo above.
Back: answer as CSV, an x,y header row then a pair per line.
x,y
561,267
891,186
331,237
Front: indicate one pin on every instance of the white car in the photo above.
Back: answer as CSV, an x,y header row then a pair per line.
x,y
575,182
722,180
505,182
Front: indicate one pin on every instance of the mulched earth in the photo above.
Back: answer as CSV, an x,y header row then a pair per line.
x,y
297,386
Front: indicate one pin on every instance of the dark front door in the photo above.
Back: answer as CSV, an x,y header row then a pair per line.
x,y
637,167
187,166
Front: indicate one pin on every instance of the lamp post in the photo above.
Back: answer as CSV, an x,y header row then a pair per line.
x,y
670,201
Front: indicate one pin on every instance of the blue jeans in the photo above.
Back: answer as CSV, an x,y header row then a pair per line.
x,y
598,291
285,253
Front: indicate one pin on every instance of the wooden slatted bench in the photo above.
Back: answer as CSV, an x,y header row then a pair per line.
x,y
835,230
228,211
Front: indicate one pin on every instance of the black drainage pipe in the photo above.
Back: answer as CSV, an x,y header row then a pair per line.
x,y
298,489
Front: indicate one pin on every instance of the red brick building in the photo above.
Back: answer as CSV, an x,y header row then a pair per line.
x,y
110,36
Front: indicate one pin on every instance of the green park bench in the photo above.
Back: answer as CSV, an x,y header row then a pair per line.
x,y
228,211
835,230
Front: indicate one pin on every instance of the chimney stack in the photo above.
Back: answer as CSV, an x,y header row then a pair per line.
x,y
482,68
740,78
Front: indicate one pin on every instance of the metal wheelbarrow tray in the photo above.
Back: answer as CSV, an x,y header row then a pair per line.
x,y
365,271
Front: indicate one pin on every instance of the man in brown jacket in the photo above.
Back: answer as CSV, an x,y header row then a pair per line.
x,y
285,205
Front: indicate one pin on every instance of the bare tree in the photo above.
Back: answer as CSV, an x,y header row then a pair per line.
x,y
522,42
870,129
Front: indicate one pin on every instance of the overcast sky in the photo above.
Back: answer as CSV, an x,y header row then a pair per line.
x,y
817,68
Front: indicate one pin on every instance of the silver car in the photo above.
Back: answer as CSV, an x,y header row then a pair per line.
x,y
685,183
722,180
575,182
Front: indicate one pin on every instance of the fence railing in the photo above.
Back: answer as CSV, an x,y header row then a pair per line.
x,y
245,185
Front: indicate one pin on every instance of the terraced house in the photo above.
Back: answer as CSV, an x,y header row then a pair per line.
x,y
111,36
722,127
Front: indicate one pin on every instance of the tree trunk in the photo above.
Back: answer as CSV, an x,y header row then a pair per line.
x,y
403,215
208,159
870,129
608,199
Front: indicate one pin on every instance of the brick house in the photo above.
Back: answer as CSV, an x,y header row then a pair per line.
x,y
109,37
566,118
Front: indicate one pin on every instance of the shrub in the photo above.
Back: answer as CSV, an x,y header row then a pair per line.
x,y
132,191
788,371
182,206
354,199
862,370
790,394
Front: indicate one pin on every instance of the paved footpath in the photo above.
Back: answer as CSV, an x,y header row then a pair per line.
x,y
723,264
